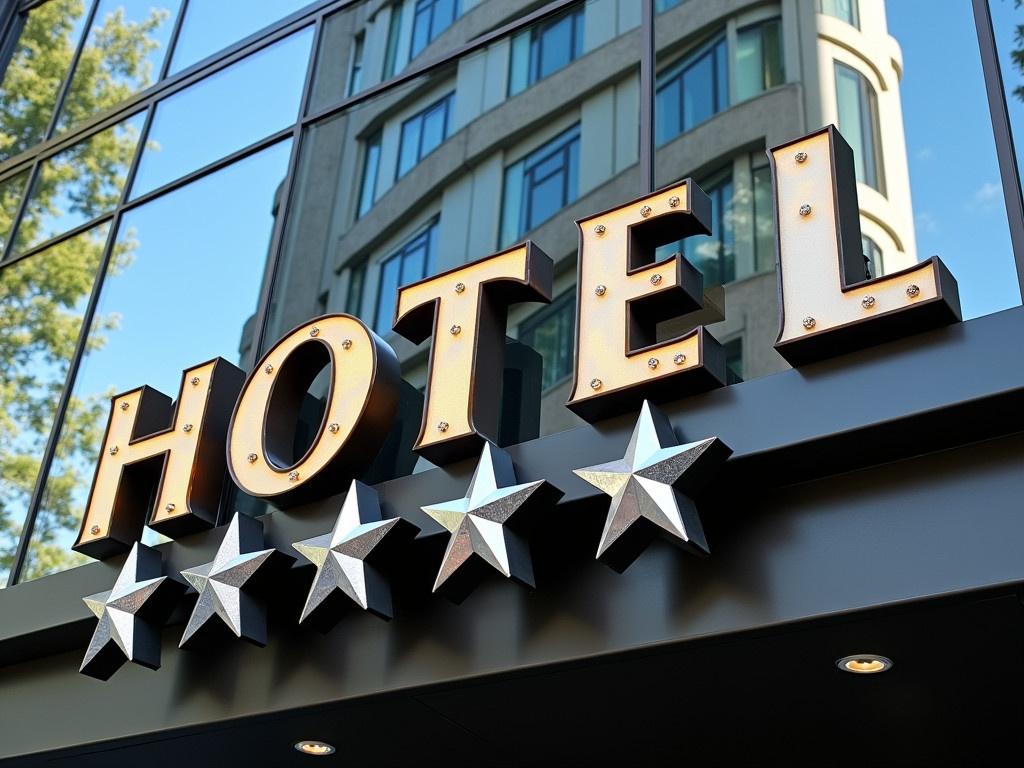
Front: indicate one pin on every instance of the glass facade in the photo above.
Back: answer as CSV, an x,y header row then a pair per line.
x,y
161,151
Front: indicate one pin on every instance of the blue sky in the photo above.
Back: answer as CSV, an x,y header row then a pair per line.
x,y
957,196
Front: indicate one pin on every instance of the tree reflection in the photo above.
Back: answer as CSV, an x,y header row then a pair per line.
x,y
42,298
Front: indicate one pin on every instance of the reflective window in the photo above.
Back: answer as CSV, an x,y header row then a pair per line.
x,y
355,73
79,184
872,257
545,49
163,307
211,25
42,303
540,185
38,66
691,91
412,262
11,191
371,167
1008,27
123,54
430,19
758,58
858,122
551,333
714,254
218,115
841,9
734,359
394,39
664,5
764,213
423,133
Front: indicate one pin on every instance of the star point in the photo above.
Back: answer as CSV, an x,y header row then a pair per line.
x,y
224,585
648,487
344,559
130,615
480,529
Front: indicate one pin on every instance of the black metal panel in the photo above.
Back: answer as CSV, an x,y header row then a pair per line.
x,y
939,524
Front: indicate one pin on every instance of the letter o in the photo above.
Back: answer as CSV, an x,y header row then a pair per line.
x,y
361,405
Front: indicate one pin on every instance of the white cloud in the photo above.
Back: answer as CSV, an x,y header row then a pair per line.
x,y
988,193
926,222
925,153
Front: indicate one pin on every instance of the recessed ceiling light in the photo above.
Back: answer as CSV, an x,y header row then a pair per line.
x,y
318,748
864,664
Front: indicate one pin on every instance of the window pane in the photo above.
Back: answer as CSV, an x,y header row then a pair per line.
x,y
123,54
11,191
371,165
852,121
79,184
408,152
37,68
163,307
764,220
841,9
698,92
42,301
211,25
435,123
210,120
390,279
749,63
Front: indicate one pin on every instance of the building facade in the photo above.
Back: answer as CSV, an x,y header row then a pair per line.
x,y
186,180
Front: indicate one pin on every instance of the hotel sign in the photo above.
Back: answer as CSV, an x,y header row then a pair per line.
x,y
171,478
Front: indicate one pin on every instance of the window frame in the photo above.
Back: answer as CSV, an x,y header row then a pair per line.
x,y
427,234
714,46
870,122
445,104
565,301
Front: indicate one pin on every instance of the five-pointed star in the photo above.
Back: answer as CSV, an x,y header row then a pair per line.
x,y
127,629
477,521
641,485
340,556
220,583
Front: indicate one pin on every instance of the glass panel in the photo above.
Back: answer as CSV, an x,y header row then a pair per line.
x,y
42,302
886,84
346,56
163,307
37,68
11,191
210,120
123,54
969,231
840,9
79,184
1008,26
511,167
211,25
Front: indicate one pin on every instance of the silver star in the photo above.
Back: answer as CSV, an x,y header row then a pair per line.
x,y
644,486
130,615
477,523
221,584
341,556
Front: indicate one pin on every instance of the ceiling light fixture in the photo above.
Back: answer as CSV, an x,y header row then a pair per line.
x,y
864,664
317,748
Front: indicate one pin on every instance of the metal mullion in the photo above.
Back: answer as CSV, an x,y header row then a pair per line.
x,y
76,57
172,42
481,41
1003,133
280,224
56,240
206,170
647,180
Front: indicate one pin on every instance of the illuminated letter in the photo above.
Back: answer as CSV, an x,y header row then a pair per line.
x,y
827,306
466,309
361,405
622,295
183,462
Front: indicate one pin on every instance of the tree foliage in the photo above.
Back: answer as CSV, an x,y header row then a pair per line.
x,y
43,297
